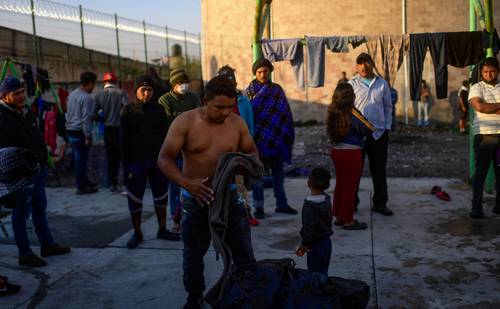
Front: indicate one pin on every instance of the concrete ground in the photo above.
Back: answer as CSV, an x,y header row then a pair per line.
x,y
428,255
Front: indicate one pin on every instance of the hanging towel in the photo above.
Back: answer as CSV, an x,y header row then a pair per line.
x,y
283,50
418,47
50,132
316,56
356,40
28,80
464,48
388,53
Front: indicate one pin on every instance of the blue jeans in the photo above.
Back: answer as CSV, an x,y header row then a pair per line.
x,y
31,200
276,166
174,192
318,259
81,157
196,238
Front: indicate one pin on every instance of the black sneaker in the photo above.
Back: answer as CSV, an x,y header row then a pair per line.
x,y
476,213
31,260
193,303
86,190
7,288
355,226
286,210
54,249
134,241
259,213
382,210
166,234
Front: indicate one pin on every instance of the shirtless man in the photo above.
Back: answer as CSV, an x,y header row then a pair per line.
x,y
203,134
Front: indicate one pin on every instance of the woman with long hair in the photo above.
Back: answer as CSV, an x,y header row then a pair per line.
x,y
347,129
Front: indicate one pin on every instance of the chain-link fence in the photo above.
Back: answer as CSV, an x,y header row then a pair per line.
x,y
106,33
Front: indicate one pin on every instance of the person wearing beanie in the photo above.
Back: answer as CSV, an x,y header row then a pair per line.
x,y
79,124
273,134
143,128
109,103
31,197
175,102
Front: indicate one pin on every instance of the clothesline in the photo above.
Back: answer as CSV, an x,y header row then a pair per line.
x,y
458,49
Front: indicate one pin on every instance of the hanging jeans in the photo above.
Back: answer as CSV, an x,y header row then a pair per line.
x,y
485,152
112,142
436,42
276,166
81,157
31,200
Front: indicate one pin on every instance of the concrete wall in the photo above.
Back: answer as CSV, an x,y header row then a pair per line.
x,y
227,34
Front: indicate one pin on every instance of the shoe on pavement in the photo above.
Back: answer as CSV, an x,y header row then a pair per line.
x,y
166,234
259,213
86,190
193,303
286,210
7,288
382,210
54,249
355,226
476,213
31,260
134,241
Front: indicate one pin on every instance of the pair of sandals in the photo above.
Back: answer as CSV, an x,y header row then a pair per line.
x,y
355,226
440,194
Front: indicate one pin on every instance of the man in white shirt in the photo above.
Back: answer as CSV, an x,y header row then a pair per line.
x,y
373,99
484,97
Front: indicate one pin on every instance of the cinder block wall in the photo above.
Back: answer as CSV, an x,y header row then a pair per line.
x,y
228,26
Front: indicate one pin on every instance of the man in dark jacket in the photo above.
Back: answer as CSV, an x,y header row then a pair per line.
x,y
19,129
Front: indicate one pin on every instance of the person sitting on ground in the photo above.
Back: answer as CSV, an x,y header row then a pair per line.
x,y
203,135
143,128
347,129
317,223
31,199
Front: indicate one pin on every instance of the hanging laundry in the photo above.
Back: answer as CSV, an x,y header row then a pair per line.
x,y
50,132
316,56
63,97
29,82
283,50
388,53
495,41
357,40
43,79
436,42
464,48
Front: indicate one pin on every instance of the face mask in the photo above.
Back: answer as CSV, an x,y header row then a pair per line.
x,y
183,88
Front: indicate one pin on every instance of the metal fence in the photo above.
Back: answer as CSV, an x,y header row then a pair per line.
x,y
93,30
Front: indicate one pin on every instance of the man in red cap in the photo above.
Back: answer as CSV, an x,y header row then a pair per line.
x,y
109,104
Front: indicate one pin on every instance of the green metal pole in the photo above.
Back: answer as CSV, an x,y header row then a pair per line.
x,y
145,44
118,48
199,53
472,27
84,57
256,48
4,69
34,37
490,178
168,47
186,64
478,7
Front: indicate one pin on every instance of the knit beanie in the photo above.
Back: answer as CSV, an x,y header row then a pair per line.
x,y
143,81
261,62
177,76
10,84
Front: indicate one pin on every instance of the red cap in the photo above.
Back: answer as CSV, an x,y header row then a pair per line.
x,y
109,77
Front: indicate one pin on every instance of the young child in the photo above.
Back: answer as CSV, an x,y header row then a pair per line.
x,y
317,223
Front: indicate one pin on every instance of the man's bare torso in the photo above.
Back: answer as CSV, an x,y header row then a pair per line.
x,y
205,142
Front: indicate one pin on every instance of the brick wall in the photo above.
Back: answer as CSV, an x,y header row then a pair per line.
x,y
228,26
